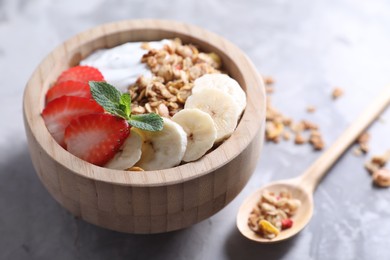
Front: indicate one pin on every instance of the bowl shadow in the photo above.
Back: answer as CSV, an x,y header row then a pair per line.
x,y
34,226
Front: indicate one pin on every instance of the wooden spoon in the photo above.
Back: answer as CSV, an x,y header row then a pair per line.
x,y
302,187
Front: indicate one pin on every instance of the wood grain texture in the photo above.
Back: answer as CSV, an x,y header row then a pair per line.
x,y
151,201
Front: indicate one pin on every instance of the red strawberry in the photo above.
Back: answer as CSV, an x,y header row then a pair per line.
x,y
81,73
96,138
68,88
59,112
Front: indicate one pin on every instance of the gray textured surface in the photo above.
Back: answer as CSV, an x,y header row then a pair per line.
x,y
308,46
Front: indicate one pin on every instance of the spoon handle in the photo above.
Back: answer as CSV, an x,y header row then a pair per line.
x,y
313,175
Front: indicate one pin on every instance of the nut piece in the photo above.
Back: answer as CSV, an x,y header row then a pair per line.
x,y
311,109
362,141
299,139
377,162
381,177
135,168
337,92
268,80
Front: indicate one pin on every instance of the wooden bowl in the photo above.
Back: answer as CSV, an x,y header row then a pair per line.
x,y
150,201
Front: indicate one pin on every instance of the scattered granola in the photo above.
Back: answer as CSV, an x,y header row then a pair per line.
x,y
273,213
269,89
268,80
377,162
174,67
362,142
376,167
280,126
337,92
311,109
299,139
381,177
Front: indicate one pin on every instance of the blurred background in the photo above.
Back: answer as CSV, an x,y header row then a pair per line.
x,y
308,47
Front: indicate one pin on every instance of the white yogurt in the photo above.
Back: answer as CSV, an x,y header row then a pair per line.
x,y
121,66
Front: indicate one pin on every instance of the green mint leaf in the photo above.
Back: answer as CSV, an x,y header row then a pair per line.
x,y
109,98
125,102
149,122
119,104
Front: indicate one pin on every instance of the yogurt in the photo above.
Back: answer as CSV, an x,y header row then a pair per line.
x,y
121,66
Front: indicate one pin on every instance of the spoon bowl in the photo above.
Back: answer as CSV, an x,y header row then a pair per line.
x,y
303,187
300,219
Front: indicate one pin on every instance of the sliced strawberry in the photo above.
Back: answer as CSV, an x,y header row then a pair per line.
x,y
59,112
81,73
68,88
96,138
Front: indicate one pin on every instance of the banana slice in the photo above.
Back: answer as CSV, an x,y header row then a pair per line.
x,y
200,129
220,106
162,149
129,154
222,82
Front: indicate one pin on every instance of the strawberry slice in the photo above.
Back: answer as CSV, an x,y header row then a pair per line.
x,y
96,138
59,112
81,73
68,88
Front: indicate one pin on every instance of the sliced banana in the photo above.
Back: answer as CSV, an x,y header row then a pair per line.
x,y
222,82
129,154
162,149
200,130
220,106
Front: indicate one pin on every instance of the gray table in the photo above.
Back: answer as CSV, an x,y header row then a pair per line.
x,y
308,46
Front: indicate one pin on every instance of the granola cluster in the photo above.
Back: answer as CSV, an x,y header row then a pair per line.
x,y
175,68
273,213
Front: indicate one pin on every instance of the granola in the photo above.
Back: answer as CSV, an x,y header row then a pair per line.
x,y
175,68
376,167
280,126
273,213
337,92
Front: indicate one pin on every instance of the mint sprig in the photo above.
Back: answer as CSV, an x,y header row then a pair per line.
x,y
119,104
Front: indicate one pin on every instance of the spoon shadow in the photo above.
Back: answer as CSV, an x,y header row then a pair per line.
x,y
239,247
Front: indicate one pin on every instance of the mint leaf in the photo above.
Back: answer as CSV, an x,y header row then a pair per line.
x,y
149,122
119,104
125,102
108,97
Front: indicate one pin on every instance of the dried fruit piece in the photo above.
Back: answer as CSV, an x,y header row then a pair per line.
x,y
287,223
267,229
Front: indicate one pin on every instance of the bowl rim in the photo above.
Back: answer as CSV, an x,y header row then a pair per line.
x,y
247,129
